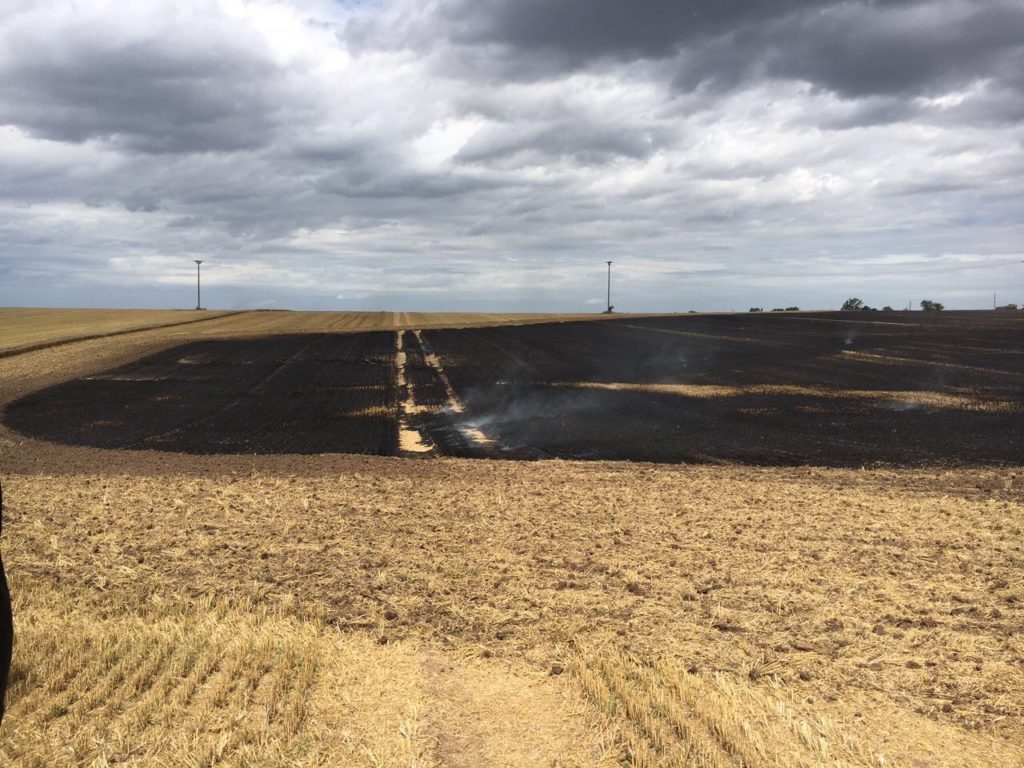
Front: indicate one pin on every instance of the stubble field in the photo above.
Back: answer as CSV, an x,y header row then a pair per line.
x,y
326,609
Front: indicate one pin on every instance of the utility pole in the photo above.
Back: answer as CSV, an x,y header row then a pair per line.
x,y
199,303
609,287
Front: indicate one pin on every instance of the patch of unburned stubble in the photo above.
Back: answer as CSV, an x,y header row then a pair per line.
x,y
668,714
237,684
892,399
211,688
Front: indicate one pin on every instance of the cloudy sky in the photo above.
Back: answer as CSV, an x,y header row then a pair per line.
x,y
493,154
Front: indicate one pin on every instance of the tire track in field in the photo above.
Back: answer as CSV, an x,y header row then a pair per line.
x,y
409,438
471,433
890,359
711,336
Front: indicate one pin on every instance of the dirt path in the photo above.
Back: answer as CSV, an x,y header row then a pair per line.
x,y
409,439
487,714
472,433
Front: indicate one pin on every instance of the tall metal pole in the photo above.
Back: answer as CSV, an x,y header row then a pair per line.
x,y
199,303
609,287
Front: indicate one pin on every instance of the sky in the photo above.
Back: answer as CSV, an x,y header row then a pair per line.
x,y
492,155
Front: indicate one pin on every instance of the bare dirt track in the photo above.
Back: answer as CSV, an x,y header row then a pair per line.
x,y
333,609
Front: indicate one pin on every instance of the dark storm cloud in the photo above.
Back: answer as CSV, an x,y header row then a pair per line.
x,y
855,48
869,111
573,32
181,89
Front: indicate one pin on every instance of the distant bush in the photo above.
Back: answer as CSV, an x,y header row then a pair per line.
x,y
756,309
792,309
778,309
1007,306
852,305
931,306
887,308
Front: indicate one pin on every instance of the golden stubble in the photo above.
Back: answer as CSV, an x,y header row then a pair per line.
x,y
28,327
963,401
634,613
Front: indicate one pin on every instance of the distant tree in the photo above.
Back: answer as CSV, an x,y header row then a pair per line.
x,y
1008,306
852,305
887,308
931,306
756,309
792,309
778,309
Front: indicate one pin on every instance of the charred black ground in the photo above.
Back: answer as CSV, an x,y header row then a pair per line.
x,y
324,393
512,382
535,392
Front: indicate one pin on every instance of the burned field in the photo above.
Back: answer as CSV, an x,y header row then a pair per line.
x,y
777,390
315,393
825,389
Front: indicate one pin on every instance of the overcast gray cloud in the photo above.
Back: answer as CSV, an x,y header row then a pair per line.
x,y
492,154
852,48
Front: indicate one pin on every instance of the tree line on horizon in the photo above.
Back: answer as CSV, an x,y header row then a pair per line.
x,y
856,305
